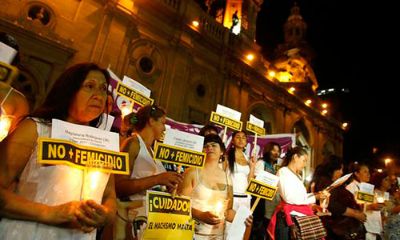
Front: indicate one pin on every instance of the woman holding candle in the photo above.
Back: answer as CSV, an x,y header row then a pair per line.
x,y
148,125
45,203
13,105
295,199
391,209
211,192
373,224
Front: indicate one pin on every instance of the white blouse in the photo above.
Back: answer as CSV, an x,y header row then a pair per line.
x,y
292,189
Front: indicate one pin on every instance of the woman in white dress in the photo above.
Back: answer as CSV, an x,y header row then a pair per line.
x,y
43,201
211,192
146,173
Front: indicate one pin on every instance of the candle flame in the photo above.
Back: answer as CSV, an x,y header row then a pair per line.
x,y
5,124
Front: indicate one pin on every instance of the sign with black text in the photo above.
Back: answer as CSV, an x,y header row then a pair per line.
x,y
57,151
178,155
168,217
225,121
261,190
134,95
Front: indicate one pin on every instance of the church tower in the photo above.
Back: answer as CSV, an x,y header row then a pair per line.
x,y
295,28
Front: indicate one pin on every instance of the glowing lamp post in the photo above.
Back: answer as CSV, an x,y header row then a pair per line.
x,y
387,161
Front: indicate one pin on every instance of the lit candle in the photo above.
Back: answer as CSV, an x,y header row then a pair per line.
x,y
94,181
380,199
5,124
125,110
219,209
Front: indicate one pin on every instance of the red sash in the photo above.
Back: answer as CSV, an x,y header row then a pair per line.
x,y
287,208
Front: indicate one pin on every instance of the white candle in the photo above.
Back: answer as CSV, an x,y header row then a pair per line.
x,y
125,110
219,209
95,180
5,124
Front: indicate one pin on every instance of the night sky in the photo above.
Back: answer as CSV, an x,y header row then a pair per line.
x,y
356,48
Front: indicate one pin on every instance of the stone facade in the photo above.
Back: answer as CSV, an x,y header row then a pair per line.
x,y
190,69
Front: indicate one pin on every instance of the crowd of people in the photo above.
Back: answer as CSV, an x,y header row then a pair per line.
x,y
33,203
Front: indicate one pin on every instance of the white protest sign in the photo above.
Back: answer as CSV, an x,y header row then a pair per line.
x,y
85,135
237,228
338,182
123,103
367,188
136,85
228,112
93,181
267,178
106,122
256,121
185,140
7,53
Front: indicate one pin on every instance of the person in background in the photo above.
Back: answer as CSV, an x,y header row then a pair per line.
x,y
264,210
391,210
146,173
13,105
39,207
208,129
373,224
210,189
293,194
328,172
241,170
347,216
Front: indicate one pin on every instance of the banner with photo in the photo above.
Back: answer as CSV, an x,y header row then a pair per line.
x,y
285,140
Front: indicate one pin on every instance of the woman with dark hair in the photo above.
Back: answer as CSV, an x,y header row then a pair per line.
x,y
326,173
373,224
59,103
38,209
240,168
293,194
346,221
391,210
264,210
148,125
211,192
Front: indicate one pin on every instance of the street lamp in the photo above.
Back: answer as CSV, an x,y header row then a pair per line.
x,y
387,161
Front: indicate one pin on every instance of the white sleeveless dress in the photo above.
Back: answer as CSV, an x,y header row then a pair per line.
x,y
50,185
205,199
144,166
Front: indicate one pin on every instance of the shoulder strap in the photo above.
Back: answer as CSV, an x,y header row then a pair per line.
x,y
131,146
5,98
